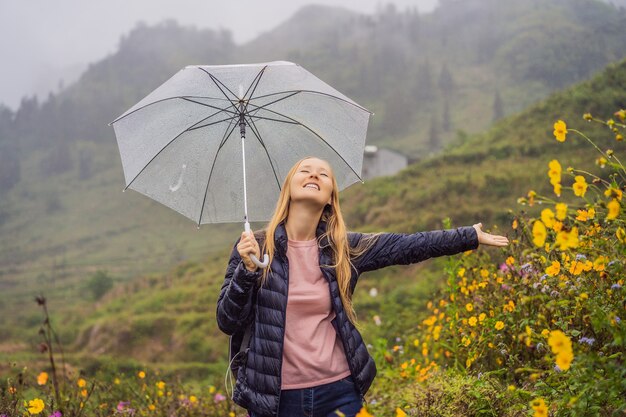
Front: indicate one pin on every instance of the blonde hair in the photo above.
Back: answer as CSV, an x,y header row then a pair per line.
x,y
336,233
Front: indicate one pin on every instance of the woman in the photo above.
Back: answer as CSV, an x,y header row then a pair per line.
x,y
305,355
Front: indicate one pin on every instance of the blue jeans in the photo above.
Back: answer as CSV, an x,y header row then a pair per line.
x,y
320,401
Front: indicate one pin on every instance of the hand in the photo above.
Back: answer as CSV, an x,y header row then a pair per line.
x,y
489,239
247,246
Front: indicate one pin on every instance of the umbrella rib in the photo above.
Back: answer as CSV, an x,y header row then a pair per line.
x,y
158,101
316,134
195,125
256,133
221,109
162,149
312,92
273,120
217,83
206,190
275,101
254,83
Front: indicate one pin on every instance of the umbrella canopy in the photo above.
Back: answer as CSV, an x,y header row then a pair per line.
x,y
182,145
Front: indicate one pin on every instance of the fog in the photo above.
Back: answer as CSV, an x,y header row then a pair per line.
x,y
45,45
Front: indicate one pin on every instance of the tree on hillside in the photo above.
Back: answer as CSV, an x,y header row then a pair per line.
x,y
399,113
9,151
498,107
446,82
57,160
446,124
99,284
424,89
434,141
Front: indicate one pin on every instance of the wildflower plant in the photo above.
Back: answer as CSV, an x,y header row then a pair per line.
x,y
544,315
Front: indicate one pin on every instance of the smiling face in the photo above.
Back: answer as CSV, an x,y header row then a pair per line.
x,y
312,181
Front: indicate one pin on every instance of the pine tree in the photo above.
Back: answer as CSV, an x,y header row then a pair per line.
x,y
498,107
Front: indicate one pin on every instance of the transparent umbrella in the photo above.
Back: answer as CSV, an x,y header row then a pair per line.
x,y
189,143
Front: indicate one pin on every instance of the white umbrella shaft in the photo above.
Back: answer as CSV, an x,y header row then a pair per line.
x,y
245,205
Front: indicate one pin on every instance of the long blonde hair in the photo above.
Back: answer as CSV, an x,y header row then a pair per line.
x,y
336,233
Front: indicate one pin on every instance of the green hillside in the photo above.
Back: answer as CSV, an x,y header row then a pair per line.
x,y
430,79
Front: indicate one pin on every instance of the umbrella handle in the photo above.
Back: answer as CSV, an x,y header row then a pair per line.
x,y
266,258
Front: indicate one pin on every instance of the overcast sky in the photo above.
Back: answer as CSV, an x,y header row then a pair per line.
x,y
42,41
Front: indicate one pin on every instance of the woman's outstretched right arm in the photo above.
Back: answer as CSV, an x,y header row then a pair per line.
x,y
235,300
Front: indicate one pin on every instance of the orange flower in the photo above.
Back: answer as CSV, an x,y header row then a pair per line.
x,y
363,413
42,378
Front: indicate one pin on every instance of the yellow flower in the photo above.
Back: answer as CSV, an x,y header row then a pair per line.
x,y
469,307
141,374
42,378
35,406
559,342
152,407
539,233
564,359
539,407
83,392
560,130
482,317
613,208
557,189
554,172
81,383
561,211
466,341
580,186
621,234
601,162
598,264
545,332
566,240
557,226
613,193
547,217
514,224
232,414
160,385
193,399
510,261
499,325
472,321
400,413
554,269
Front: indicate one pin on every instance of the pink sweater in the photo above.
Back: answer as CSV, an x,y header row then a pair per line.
x,y
312,351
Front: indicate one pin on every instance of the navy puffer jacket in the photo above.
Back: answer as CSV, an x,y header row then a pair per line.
x,y
240,303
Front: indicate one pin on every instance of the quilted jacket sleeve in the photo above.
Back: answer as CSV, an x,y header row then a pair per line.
x,y
235,300
402,249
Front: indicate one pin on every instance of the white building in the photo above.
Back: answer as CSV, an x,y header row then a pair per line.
x,y
378,162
